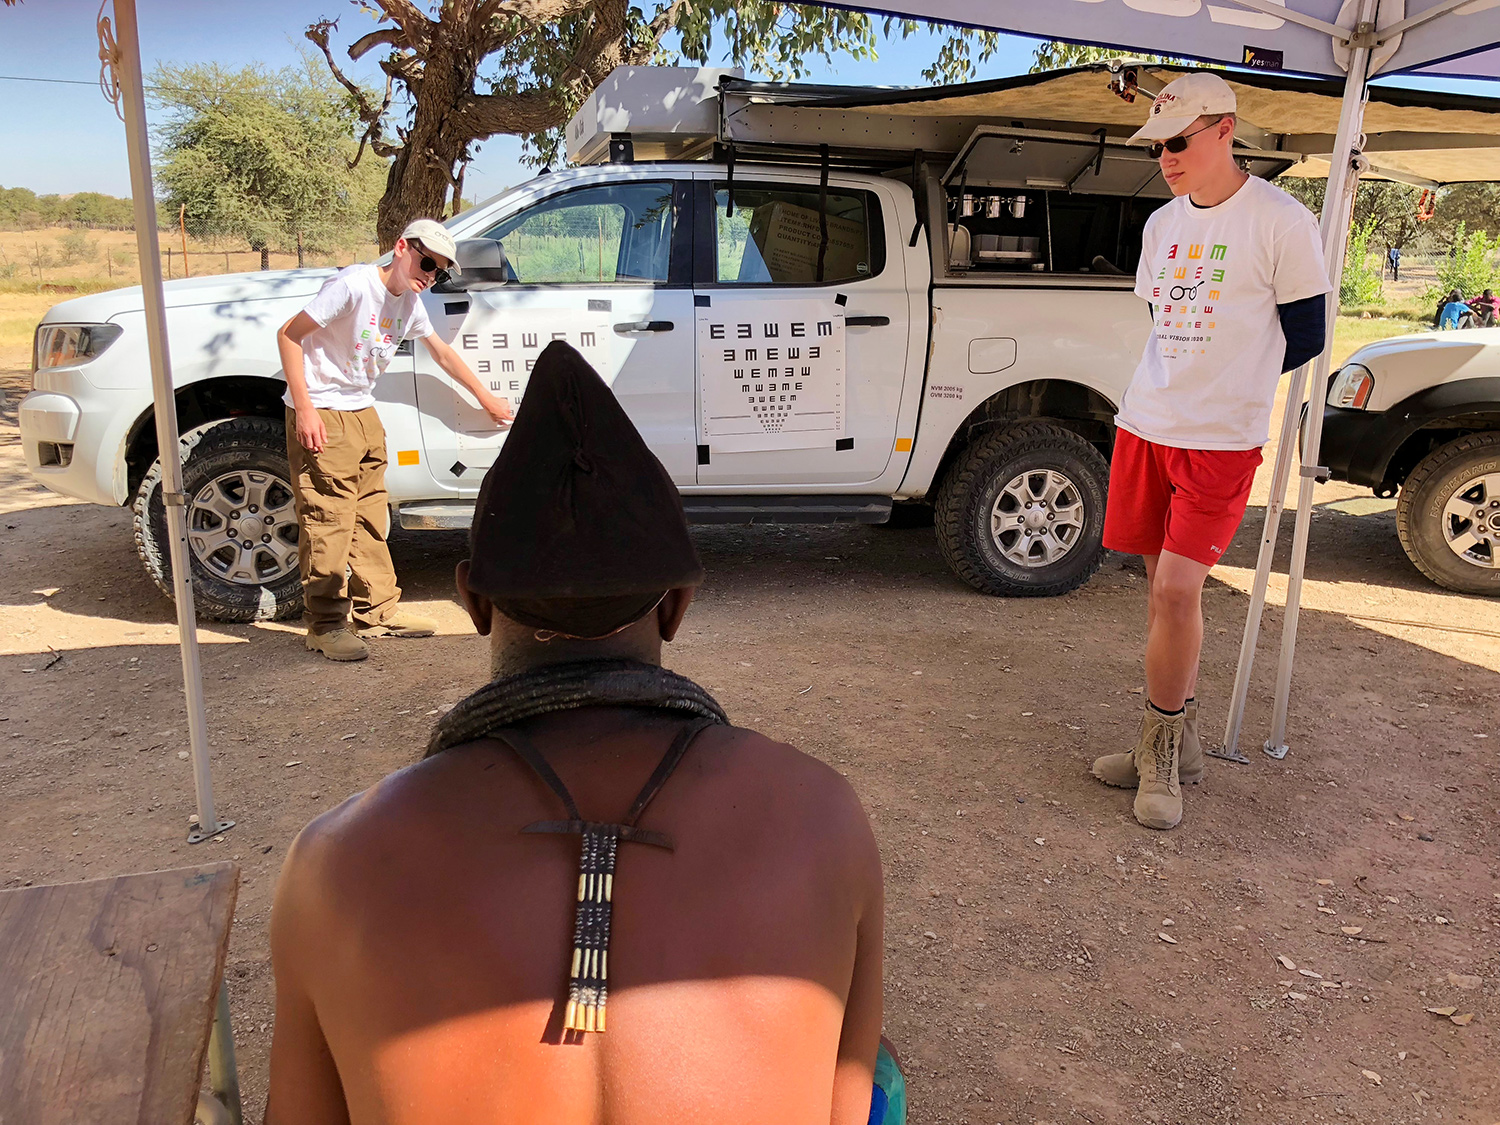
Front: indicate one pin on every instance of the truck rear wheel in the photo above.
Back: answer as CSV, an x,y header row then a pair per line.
x,y
1448,515
1022,512
242,526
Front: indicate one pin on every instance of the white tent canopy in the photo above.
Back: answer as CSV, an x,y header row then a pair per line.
x,y
1353,40
1452,37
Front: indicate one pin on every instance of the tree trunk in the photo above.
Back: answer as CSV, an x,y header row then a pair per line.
x,y
265,257
300,264
422,173
419,180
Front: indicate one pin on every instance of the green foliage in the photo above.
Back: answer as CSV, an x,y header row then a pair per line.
x,y
263,156
77,246
1055,55
1361,284
1475,206
23,209
1390,209
771,40
1469,266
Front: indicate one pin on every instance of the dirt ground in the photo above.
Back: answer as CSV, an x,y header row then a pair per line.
x,y
1048,961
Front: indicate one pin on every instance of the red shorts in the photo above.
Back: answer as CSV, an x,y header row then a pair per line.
x,y
1187,501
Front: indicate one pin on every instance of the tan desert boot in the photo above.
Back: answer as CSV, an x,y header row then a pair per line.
x,y
1190,768
402,624
1119,769
1158,799
338,645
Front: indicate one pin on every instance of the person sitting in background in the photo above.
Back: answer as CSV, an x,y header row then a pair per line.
x,y
1484,308
1455,312
457,944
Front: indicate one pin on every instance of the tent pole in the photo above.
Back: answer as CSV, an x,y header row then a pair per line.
x,y
132,88
1338,206
1268,536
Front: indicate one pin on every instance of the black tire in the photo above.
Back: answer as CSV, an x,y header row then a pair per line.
x,y
967,503
1424,527
250,449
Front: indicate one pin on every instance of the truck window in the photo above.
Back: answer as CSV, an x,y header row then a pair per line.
x,y
774,236
611,234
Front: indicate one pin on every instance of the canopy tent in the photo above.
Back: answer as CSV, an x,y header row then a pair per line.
x,y
1353,40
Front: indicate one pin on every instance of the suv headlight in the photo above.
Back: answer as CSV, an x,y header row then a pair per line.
x,y
1352,387
59,344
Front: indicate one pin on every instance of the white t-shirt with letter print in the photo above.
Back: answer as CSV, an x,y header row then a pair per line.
x,y
361,324
1214,276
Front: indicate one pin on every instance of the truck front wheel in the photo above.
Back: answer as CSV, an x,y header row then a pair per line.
x,y
1022,512
1448,514
242,527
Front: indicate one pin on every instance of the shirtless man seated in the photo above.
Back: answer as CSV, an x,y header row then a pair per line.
x,y
499,933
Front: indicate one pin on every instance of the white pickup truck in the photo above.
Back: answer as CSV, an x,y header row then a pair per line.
x,y
801,332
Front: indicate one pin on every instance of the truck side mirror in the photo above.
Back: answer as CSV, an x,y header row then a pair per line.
x,y
483,264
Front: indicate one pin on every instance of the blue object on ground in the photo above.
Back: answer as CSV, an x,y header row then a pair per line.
x,y
888,1104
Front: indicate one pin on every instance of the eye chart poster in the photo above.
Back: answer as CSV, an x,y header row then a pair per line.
x,y
771,374
502,345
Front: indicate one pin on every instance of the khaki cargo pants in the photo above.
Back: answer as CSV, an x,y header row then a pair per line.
x,y
343,519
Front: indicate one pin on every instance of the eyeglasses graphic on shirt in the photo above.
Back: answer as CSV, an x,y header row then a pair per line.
x,y
1175,144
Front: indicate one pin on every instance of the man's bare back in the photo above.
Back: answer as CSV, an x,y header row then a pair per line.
x,y
422,942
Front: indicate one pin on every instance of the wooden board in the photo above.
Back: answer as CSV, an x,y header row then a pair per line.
x,y
107,992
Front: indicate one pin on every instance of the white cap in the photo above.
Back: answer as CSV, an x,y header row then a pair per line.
x,y
435,237
1182,101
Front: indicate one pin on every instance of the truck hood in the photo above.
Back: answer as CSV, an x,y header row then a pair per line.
x,y
1404,365
97,308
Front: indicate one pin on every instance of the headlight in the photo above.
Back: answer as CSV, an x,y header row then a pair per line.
x,y
57,344
1352,387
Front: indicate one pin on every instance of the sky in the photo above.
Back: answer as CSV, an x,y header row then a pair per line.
x,y
60,135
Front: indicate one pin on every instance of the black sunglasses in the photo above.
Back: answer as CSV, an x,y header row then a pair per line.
x,y
1175,144
429,264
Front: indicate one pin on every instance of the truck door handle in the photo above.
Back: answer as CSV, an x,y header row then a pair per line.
x,y
866,321
624,328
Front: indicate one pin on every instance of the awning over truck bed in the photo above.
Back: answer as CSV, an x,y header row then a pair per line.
x,y
1416,136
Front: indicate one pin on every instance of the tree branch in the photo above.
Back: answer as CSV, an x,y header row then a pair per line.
x,y
367,111
530,111
413,29
390,36
317,34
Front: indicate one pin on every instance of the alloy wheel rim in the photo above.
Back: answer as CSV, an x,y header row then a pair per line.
x,y
1471,521
1037,518
242,526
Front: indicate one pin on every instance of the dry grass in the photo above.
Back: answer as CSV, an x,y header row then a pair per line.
x,y
32,260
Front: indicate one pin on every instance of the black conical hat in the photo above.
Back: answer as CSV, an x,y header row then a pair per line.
x,y
576,510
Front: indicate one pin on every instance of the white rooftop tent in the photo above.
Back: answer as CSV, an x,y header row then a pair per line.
x,y
1355,40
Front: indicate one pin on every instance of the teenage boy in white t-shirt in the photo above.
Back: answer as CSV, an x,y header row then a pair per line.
x,y
1233,269
332,352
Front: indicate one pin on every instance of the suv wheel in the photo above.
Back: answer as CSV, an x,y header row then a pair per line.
x,y
242,527
1448,514
1022,512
